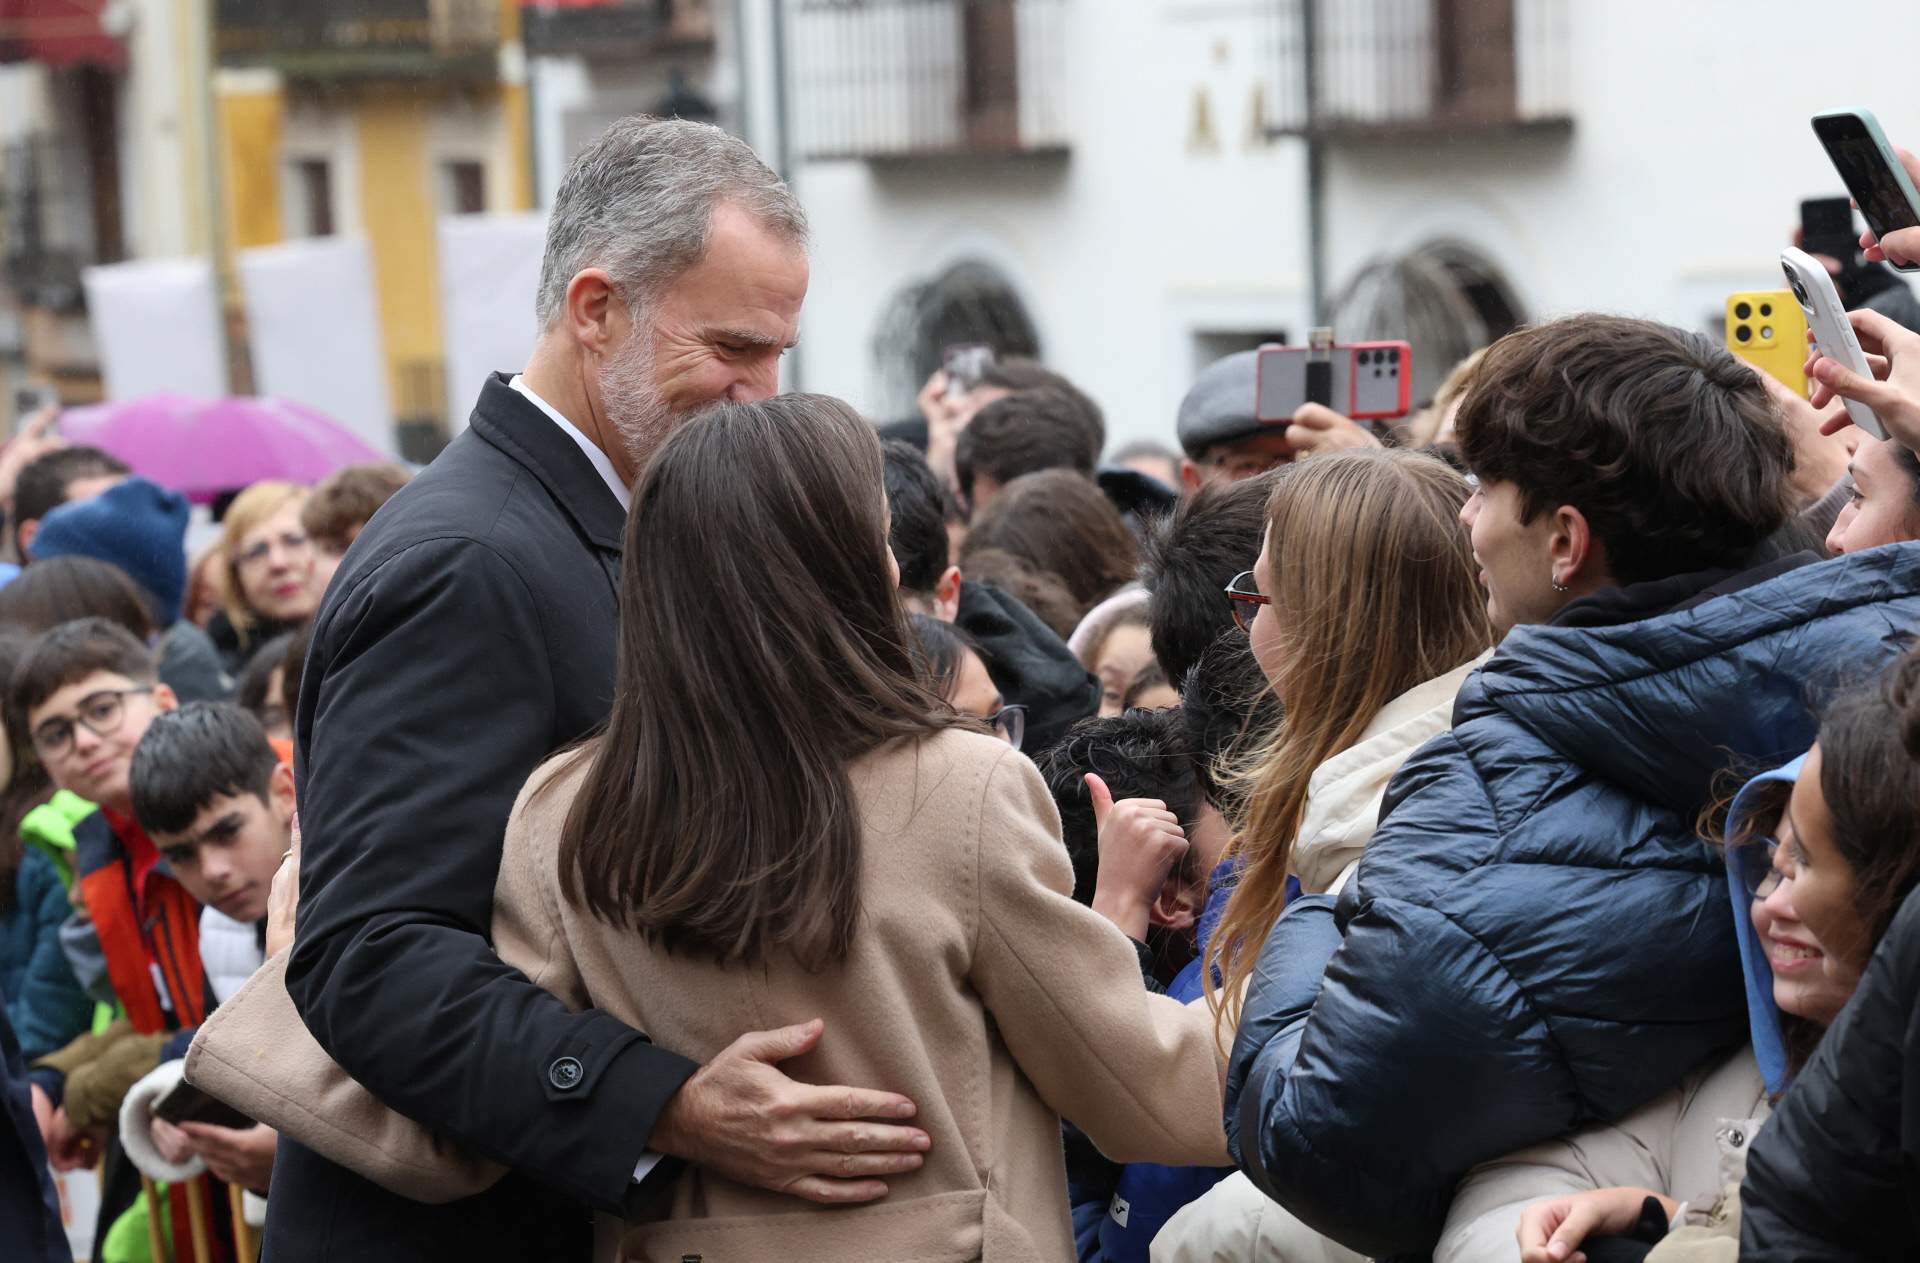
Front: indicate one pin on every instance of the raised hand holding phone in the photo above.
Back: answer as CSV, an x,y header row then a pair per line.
x,y
1887,381
1832,333
1881,181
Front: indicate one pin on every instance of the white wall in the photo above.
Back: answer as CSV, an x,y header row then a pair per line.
x,y
1689,154
1122,253
1683,178
1681,181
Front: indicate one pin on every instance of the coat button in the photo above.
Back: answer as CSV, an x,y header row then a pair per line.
x,y
566,1073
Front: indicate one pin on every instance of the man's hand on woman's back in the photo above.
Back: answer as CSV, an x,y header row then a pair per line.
x,y
742,1118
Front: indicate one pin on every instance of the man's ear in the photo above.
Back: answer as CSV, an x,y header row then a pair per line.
x,y
24,533
280,793
1579,561
1177,906
164,699
946,595
594,314
1191,477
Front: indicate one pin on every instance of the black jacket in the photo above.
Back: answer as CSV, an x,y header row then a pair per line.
x,y
468,635
1835,1173
1536,938
1029,663
30,1230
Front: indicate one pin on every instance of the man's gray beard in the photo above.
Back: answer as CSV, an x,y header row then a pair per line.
x,y
636,409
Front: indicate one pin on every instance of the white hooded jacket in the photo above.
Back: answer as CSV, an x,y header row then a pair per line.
x,y
1344,793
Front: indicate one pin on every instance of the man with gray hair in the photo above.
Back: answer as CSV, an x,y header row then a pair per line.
x,y
468,636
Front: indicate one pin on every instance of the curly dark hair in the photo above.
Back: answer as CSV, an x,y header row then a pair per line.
x,y
1667,444
1139,754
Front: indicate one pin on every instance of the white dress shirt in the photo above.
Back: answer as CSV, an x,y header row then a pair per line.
x,y
599,459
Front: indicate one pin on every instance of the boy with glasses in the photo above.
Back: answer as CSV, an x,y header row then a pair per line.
x,y
87,692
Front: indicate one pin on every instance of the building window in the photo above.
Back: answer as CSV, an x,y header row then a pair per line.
x,y
312,207
463,188
1445,297
969,302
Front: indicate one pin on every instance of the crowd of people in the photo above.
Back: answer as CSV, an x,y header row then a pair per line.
x,y
685,821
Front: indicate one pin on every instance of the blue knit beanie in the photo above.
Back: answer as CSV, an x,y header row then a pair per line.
x,y
136,525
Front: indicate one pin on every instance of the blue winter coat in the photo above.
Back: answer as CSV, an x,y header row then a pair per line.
x,y
45,1002
1536,939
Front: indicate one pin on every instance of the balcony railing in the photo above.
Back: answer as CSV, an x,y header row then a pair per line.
x,y
46,223
905,78
1409,67
617,28
360,38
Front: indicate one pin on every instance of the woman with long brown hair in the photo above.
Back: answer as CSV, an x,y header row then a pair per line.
x,y
780,823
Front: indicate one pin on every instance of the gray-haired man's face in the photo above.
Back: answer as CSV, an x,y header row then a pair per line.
x,y
716,333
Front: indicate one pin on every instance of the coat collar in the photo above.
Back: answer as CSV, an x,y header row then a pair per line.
x,y
510,421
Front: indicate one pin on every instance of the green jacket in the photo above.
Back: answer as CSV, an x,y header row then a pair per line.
x,y
49,829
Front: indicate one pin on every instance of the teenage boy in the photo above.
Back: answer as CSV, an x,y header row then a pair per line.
x,y
89,691
216,796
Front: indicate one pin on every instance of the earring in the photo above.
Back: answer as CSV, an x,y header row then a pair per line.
x,y
1557,585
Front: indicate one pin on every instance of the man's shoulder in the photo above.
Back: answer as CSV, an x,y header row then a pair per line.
x,y
475,506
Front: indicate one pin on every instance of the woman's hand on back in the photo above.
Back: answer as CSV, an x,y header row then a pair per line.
x,y
1140,842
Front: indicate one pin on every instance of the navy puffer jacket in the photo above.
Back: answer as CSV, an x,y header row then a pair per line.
x,y
1537,939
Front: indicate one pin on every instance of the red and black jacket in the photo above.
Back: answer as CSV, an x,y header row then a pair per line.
x,y
150,936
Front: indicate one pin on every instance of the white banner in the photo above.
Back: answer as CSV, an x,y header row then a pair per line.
x,y
489,272
314,329
157,327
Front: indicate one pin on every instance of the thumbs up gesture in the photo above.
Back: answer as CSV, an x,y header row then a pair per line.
x,y
1140,842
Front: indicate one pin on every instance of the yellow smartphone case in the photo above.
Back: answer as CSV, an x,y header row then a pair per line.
x,y
1767,329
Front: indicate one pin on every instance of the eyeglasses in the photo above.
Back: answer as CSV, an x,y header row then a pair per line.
x,y
101,712
1758,875
292,542
1246,599
1010,724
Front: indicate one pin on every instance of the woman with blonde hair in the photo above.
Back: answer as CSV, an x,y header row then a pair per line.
x,y
1366,617
269,571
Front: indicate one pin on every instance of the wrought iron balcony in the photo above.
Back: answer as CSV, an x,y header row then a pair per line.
x,y
890,79
361,39
1386,68
617,28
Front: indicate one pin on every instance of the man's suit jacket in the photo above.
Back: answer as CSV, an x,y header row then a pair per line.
x,y
468,635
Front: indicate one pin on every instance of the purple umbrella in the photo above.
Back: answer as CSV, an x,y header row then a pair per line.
x,y
201,448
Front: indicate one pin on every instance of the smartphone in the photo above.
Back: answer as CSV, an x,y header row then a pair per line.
x,y
185,1103
1826,227
29,400
1871,171
965,364
1813,289
1363,380
1767,329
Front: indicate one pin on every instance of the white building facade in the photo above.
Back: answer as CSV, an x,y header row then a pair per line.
x,y
1135,174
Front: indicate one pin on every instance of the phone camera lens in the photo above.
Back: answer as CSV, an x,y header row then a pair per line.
x,y
1766,309
1366,357
1742,311
1766,333
1743,333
